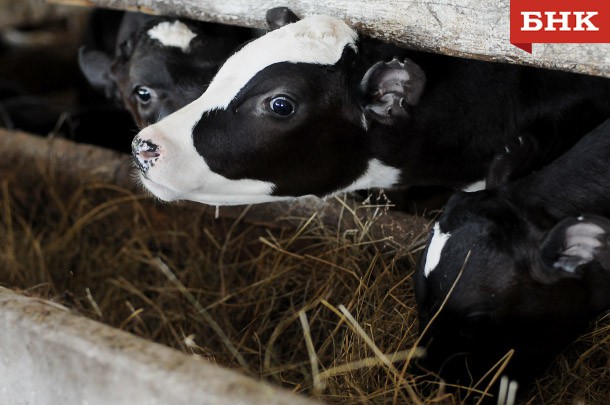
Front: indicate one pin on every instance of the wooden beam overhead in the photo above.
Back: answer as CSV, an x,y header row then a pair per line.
x,y
470,28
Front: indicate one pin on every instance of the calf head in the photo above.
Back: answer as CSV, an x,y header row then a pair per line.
x,y
160,64
285,116
496,282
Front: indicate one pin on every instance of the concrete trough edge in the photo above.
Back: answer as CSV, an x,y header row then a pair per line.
x,y
49,355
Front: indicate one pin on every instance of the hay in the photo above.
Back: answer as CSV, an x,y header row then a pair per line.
x,y
325,309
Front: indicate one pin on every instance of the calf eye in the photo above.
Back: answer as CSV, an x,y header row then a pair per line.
x,y
143,94
282,106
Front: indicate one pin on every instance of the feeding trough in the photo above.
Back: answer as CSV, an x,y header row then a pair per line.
x,y
312,295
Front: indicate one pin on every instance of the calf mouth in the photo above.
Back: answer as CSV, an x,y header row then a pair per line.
x,y
158,190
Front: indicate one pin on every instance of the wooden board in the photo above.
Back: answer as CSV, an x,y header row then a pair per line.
x,y
18,12
52,356
471,28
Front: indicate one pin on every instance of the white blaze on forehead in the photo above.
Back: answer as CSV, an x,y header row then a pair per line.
x,y
435,248
173,33
317,39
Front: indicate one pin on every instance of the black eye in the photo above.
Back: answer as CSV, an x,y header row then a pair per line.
x,y
143,94
282,106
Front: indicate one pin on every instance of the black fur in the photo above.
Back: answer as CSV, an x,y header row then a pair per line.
x,y
515,290
311,151
446,136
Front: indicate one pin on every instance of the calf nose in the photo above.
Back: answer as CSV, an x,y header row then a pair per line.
x,y
145,153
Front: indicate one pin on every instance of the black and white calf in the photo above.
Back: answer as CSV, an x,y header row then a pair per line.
x,y
160,64
528,261
310,109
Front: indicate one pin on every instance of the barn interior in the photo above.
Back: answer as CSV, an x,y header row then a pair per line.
x,y
249,288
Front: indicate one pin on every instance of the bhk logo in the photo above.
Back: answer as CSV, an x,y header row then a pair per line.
x,y
558,21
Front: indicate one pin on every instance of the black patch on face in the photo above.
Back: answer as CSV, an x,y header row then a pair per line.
x,y
318,149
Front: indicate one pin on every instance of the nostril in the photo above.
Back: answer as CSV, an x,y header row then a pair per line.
x,y
148,154
145,153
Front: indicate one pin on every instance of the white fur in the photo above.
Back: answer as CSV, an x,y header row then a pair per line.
x,y
476,186
439,239
181,173
377,175
234,192
317,39
173,33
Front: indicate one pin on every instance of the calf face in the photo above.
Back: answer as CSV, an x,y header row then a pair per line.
x,y
524,267
262,131
160,64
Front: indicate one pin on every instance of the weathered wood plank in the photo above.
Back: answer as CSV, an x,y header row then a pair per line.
x,y
17,12
51,356
471,28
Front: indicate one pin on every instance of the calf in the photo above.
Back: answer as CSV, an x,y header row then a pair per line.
x,y
528,263
160,64
310,109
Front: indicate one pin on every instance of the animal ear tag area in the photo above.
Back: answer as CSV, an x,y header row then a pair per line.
x,y
390,88
577,241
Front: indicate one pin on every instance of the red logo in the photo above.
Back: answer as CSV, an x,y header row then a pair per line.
x,y
558,21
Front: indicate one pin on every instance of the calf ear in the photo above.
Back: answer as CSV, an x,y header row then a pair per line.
x,y
389,89
280,16
514,160
95,65
575,242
